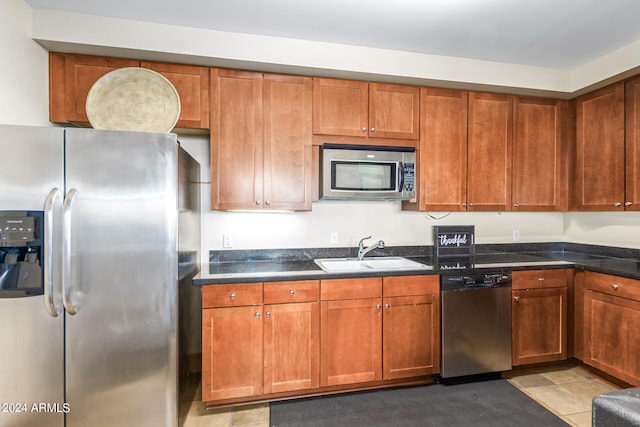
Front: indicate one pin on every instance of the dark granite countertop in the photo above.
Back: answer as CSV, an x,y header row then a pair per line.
x,y
297,264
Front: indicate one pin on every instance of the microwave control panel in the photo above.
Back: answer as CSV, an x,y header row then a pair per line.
x,y
409,176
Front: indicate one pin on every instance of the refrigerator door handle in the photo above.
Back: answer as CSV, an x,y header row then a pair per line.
x,y
48,251
66,252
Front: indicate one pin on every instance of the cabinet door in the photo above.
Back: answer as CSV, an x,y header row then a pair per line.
x,y
192,85
71,77
442,153
489,151
411,336
351,341
539,322
537,155
236,140
287,142
611,341
632,145
231,352
394,111
340,107
600,171
291,347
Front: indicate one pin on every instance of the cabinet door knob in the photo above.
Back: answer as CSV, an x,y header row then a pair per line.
x,y
378,306
387,306
267,203
373,129
257,202
233,295
364,129
291,292
615,286
516,205
464,203
617,204
628,203
257,314
267,314
516,298
471,204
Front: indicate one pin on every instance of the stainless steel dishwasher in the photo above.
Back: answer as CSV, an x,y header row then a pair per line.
x,y
476,323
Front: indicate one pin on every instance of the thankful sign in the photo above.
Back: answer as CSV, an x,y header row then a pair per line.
x,y
453,240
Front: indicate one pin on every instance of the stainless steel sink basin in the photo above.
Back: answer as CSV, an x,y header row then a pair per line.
x,y
353,265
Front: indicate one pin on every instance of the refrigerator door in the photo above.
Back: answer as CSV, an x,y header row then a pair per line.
x,y
119,278
31,338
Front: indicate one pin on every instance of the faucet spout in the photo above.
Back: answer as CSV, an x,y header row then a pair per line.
x,y
362,251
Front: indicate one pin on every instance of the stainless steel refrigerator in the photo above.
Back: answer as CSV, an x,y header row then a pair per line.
x,y
98,232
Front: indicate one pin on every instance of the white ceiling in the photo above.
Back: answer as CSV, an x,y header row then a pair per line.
x,y
562,34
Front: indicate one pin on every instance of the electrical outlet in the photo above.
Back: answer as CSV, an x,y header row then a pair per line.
x,y
516,235
227,241
334,237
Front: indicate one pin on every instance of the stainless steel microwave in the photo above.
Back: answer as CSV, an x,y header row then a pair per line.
x,y
355,172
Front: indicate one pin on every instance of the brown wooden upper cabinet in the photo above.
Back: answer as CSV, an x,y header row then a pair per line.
x,y
360,109
539,178
632,144
489,151
260,141
599,182
71,77
482,151
442,151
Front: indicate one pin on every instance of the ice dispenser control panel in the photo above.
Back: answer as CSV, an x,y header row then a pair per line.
x,y
21,253
17,231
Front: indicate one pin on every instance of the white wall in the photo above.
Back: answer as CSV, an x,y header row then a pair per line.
x,y
24,100
24,90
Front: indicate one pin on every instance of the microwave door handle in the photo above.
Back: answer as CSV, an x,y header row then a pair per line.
x,y
400,176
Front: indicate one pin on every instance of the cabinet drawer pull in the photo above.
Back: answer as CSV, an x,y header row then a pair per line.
x,y
233,295
291,292
540,279
517,299
615,286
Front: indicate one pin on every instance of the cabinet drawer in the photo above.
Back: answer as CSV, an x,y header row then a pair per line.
x,y
613,285
410,285
529,279
232,295
298,291
336,289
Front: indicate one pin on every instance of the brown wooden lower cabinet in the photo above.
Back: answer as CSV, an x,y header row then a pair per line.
x,y
281,339
612,325
232,352
291,354
411,326
539,316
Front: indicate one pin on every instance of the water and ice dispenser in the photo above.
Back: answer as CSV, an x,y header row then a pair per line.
x,y
21,252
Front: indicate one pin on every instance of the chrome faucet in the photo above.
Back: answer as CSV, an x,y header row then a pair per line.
x,y
362,251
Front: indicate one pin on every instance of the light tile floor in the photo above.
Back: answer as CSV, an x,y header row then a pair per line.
x,y
565,390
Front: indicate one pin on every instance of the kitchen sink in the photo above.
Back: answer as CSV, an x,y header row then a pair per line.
x,y
354,265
